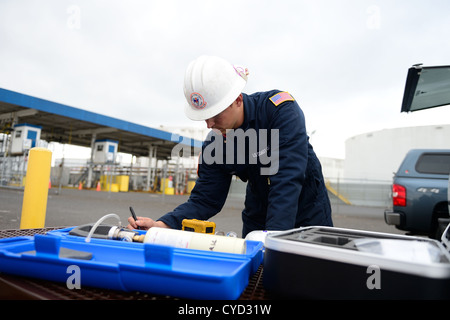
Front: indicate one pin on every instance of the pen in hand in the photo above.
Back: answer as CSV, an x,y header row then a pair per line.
x,y
134,216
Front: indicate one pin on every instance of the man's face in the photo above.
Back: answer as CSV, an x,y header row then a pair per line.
x,y
224,120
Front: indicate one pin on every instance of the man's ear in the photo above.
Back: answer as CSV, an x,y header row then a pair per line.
x,y
239,100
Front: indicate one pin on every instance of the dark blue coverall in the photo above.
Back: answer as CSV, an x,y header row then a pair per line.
x,y
294,196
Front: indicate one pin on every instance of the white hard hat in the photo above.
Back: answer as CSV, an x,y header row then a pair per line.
x,y
211,84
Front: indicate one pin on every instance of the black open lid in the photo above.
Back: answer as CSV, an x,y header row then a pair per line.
x,y
426,87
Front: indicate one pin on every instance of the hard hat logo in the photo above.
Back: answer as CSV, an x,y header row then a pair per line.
x,y
197,100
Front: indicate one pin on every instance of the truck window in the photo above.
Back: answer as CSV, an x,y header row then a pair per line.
x,y
434,163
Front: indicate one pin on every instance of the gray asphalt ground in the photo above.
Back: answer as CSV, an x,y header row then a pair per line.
x,y
73,207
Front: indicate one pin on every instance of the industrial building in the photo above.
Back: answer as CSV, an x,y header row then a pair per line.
x,y
27,122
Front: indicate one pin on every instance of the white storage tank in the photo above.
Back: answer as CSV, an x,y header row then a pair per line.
x,y
105,151
377,155
24,137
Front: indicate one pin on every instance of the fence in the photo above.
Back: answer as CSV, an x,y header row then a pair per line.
x,y
372,193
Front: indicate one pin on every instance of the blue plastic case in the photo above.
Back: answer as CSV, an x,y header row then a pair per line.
x,y
128,266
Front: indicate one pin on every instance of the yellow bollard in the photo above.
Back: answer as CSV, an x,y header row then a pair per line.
x,y
35,195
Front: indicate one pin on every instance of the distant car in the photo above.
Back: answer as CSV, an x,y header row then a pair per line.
x,y
419,193
420,203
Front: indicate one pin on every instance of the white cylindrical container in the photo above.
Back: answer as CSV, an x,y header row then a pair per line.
x,y
195,240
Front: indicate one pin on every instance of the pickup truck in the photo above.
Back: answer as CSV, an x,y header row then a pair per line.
x,y
420,201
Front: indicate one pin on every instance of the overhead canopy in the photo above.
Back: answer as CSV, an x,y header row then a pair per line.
x,y
65,124
426,87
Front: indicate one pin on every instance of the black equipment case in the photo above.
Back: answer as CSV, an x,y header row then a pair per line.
x,y
337,263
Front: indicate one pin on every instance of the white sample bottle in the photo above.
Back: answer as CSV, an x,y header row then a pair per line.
x,y
195,240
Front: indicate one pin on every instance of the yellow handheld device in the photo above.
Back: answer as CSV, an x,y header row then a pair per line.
x,y
198,226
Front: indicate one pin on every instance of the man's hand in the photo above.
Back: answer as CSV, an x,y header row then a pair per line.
x,y
145,223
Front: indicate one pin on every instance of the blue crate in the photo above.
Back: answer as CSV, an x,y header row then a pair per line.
x,y
128,266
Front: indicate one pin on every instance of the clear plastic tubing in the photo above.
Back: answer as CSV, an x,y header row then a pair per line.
x,y
94,227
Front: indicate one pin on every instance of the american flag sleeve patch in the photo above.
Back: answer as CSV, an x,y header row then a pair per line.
x,y
281,97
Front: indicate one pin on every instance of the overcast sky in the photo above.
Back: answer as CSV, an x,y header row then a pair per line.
x,y
344,61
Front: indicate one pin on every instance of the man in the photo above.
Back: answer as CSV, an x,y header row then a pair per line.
x,y
262,139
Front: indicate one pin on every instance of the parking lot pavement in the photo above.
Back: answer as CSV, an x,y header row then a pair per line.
x,y
71,207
